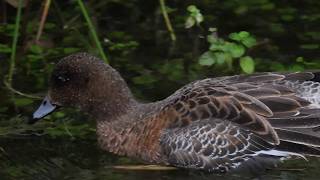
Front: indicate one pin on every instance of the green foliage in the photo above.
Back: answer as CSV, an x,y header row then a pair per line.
x,y
23,101
134,39
209,58
222,51
144,79
4,48
243,37
194,18
247,64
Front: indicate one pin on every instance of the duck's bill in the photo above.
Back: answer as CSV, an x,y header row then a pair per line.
x,y
45,109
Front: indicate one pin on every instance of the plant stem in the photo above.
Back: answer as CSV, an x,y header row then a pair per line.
x,y
167,20
92,30
19,92
14,44
43,19
8,79
66,129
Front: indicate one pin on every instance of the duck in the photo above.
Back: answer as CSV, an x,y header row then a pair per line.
x,y
215,125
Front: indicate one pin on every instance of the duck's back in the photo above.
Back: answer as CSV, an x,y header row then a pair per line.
x,y
225,123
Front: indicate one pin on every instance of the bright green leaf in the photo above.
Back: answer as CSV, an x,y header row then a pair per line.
x,y
247,64
236,50
218,47
212,38
199,18
207,59
244,34
249,42
222,57
189,22
195,16
192,8
235,36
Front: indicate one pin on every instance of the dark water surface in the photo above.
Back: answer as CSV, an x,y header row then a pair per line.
x,y
46,158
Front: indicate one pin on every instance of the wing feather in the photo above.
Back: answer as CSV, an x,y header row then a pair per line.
x,y
212,145
222,122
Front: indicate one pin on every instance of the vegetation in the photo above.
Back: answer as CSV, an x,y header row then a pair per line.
x,y
152,43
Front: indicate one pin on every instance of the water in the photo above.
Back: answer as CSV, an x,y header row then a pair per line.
x,y
46,158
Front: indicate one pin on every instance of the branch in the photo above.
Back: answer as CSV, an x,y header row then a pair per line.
x,y
167,20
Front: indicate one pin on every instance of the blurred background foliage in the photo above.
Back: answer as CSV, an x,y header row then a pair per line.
x,y
157,46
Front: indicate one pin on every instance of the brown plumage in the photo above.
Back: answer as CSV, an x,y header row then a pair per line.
x,y
216,124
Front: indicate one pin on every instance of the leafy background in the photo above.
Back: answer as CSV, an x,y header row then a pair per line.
x,y
210,38
199,39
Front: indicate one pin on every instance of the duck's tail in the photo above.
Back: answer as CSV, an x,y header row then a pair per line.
x,y
300,133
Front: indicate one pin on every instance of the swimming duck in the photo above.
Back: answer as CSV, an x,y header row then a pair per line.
x,y
215,125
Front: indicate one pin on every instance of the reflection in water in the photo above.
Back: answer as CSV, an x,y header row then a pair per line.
x,y
42,158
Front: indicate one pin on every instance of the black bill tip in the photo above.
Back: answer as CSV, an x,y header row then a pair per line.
x,y
44,109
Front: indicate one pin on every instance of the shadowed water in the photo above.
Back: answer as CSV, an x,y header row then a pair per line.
x,y
43,158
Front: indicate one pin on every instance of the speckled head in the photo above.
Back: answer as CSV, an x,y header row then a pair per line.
x,y
86,82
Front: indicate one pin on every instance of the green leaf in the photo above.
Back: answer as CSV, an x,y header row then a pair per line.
x,y
218,47
310,46
70,50
236,50
296,68
244,37
49,25
23,101
4,48
239,36
235,36
287,17
247,64
212,38
207,59
144,79
244,34
249,42
300,59
189,22
195,16
223,57
276,66
267,6
36,49
242,9
192,8
34,58
199,18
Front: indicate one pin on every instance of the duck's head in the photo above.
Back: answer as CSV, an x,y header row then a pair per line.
x,y
86,82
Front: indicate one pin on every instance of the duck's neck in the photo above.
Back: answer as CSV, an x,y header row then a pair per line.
x,y
134,134
111,97
124,125
115,106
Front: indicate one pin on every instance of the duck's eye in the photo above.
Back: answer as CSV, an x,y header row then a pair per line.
x,y
63,79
